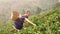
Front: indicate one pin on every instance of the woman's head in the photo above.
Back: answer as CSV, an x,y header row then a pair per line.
x,y
15,15
27,13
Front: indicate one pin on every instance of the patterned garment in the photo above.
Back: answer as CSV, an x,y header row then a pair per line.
x,y
19,22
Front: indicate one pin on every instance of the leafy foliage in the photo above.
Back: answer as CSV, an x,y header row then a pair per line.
x,y
47,23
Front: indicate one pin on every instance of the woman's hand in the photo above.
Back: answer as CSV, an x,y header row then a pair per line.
x,y
30,22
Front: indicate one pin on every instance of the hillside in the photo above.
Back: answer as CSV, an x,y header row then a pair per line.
x,y
47,23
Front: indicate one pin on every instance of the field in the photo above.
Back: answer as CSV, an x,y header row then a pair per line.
x,y
47,23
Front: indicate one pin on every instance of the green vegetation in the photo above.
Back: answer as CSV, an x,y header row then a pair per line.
x,y
47,23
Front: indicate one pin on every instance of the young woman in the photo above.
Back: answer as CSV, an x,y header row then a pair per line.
x,y
18,21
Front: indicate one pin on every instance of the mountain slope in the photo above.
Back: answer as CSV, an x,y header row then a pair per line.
x,y
47,23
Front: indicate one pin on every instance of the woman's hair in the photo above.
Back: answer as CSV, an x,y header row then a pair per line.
x,y
15,15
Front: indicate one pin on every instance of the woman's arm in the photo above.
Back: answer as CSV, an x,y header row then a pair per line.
x,y
11,16
30,22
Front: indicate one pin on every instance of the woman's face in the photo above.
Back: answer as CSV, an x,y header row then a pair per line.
x,y
27,13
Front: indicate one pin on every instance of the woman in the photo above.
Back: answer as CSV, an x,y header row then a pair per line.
x,y
18,21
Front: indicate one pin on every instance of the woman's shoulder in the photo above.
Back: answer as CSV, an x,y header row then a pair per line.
x,y
23,16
